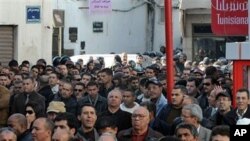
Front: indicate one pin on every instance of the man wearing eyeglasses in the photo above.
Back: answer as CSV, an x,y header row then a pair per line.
x,y
79,90
140,130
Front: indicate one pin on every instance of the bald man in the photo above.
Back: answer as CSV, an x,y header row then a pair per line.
x,y
19,123
107,137
140,130
42,129
61,135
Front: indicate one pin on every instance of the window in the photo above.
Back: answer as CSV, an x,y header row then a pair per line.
x,y
162,14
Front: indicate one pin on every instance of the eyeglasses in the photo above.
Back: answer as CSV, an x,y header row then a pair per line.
x,y
29,112
140,116
207,84
79,90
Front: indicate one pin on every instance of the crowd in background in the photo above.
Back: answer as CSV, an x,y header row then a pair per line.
x,y
85,101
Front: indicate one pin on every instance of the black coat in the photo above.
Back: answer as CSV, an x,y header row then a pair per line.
x,y
231,117
20,99
121,118
100,106
126,135
26,136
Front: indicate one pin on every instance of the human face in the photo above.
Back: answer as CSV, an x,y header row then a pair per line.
x,y
18,88
39,131
88,117
114,98
242,100
135,84
86,79
34,72
176,78
67,90
30,114
139,59
187,117
93,91
177,97
4,80
211,98
186,100
128,98
154,91
207,85
51,115
79,91
185,135
149,73
17,77
105,78
75,71
192,89
224,103
24,69
63,70
14,124
61,83
106,138
126,72
77,78
28,86
53,79
186,74
220,138
63,125
61,135
91,66
140,119
124,58
7,136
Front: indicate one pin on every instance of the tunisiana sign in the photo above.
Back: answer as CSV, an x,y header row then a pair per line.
x,y
229,17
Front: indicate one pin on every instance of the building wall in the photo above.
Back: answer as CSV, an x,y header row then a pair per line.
x,y
123,29
192,17
32,41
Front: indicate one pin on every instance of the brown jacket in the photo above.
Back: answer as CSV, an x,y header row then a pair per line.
x,y
4,105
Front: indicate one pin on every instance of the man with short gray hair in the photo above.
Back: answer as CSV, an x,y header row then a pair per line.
x,y
6,134
19,123
192,114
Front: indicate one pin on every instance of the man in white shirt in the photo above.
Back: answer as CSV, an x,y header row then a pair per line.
x,y
129,104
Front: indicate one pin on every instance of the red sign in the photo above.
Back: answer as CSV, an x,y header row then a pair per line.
x,y
229,17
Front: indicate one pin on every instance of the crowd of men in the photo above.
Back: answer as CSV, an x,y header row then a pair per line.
x,y
84,101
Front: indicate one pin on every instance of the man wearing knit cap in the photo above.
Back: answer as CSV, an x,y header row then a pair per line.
x,y
54,108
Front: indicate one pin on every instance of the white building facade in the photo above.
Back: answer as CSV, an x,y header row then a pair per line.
x,y
131,26
25,30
